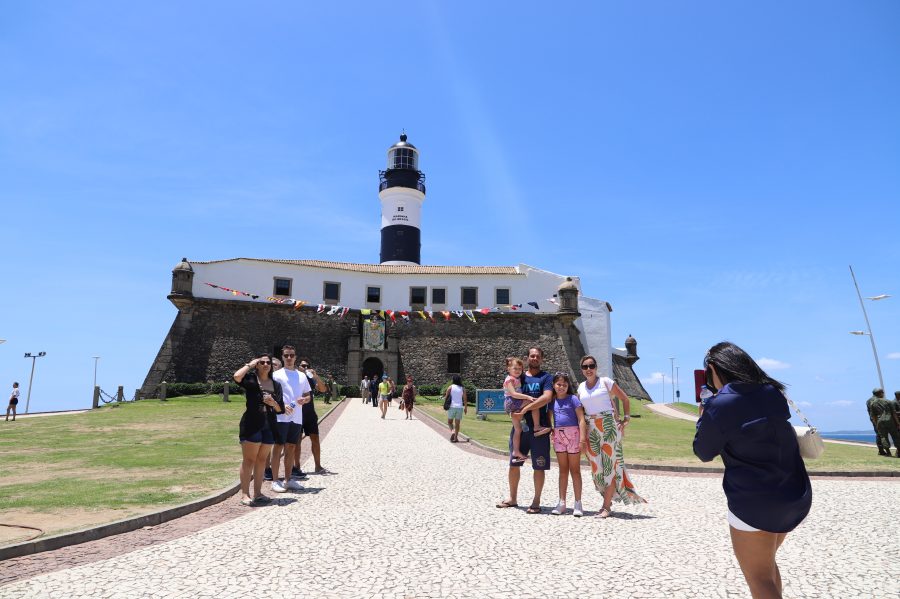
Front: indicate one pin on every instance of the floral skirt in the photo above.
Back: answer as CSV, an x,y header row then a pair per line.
x,y
606,459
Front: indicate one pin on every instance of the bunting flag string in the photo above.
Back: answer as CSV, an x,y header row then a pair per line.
x,y
233,291
391,315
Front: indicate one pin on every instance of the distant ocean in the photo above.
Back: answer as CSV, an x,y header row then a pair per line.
x,y
858,436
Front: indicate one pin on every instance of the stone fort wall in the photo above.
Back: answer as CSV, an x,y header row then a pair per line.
x,y
212,338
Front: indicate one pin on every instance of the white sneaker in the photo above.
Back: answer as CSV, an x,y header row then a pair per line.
x,y
278,486
293,485
559,509
577,512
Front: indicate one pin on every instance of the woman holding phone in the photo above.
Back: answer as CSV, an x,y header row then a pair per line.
x,y
258,428
765,481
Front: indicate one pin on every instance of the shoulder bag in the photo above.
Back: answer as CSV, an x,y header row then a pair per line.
x,y
810,442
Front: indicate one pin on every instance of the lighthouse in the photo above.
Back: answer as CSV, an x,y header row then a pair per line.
x,y
401,189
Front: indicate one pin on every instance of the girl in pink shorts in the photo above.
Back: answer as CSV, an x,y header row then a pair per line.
x,y
569,436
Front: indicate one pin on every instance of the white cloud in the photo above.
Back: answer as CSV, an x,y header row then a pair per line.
x,y
656,377
894,355
840,402
772,364
803,404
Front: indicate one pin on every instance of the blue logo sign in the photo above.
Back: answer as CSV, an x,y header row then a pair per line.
x,y
489,401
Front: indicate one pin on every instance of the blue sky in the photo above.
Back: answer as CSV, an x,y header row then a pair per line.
x,y
711,169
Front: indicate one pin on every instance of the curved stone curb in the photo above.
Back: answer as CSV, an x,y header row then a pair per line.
x,y
687,469
127,525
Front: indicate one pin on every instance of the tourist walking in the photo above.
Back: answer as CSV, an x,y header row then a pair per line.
x,y
384,395
13,402
296,392
373,390
258,427
364,388
606,427
539,385
408,397
459,405
569,440
765,481
311,419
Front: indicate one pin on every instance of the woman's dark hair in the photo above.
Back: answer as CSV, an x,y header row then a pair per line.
x,y
457,380
735,365
563,376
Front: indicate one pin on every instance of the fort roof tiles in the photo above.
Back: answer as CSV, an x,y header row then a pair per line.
x,y
397,269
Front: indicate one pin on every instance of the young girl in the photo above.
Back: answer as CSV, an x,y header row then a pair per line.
x,y
513,402
569,439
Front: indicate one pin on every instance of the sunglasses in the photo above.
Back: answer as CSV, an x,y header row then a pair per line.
x,y
289,355
264,362
304,366
588,366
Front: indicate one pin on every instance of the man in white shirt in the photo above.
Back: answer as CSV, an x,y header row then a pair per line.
x,y
296,391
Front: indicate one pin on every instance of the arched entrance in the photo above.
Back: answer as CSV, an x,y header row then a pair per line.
x,y
372,367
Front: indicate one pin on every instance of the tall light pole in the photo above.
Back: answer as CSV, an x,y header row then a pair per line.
x,y
664,387
869,326
95,371
677,385
34,358
673,378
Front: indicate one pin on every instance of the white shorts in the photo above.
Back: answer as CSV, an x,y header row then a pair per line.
x,y
739,524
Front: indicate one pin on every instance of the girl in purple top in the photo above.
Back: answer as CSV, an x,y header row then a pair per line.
x,y
569,435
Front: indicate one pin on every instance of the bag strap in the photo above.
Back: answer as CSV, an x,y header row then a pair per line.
x,y
611,399
799,413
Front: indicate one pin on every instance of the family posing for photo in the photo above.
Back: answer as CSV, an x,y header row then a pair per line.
x,y
746,422
549,409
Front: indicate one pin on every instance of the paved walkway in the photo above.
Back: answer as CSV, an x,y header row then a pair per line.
x,y
664,410
407,514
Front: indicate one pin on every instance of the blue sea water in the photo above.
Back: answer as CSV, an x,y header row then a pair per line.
x,y
858,436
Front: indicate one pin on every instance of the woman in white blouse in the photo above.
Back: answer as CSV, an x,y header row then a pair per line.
x,y
603,445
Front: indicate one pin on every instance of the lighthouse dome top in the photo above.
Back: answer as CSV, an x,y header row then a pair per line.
x,y
403,143
403,155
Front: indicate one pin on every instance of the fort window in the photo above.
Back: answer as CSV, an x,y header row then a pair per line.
x,y
331,292
501,296
417,296
469,297
454,363
438,296
282,286
373,295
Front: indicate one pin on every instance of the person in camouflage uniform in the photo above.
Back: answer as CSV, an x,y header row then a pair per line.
x,y
884,418
876,393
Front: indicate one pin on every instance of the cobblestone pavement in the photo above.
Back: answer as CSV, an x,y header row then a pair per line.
x,y
407,514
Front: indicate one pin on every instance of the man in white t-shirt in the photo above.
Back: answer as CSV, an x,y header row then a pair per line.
x,y
297,392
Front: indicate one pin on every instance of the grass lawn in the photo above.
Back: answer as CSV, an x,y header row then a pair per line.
x,y
655,439
118,460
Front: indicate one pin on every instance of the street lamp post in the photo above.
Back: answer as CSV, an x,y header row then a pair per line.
x,y
95,371
34,358
869,326
664,387
673,378
677,385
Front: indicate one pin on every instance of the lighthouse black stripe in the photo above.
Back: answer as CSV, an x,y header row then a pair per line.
x,y
400,243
